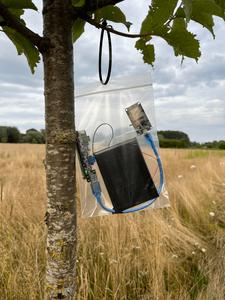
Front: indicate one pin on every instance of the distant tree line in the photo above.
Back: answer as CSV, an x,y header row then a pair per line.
x,y
173,139
13,135
209,145
167,138
179,139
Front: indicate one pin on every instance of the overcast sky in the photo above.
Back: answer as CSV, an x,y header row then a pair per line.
x,y
190,97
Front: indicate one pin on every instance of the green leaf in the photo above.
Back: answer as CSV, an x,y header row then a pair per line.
x,y
112,13
78,29
187,9
206,20
19,4
78,3
158,15
183,42
203,12
147,51
18,13
1,19
23,45
221,4
207,6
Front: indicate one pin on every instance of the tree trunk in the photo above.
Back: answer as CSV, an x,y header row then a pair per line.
x,y
60,151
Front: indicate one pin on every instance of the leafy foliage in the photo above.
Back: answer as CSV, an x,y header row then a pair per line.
x,y
19,4
167,20
78,28
172,143
78,3
202,12
187,5
173,139
9,134
33,136
182,41
179,139
13,135
1,19
158,15
24,46
155,24
174,134
147,50
112,13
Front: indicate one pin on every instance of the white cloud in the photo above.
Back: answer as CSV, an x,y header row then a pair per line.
x,y
189,97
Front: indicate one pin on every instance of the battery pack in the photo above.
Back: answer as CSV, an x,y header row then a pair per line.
x,y
125,174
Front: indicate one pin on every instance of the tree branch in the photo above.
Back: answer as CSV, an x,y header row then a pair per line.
x,y
110,29
11,21
81,12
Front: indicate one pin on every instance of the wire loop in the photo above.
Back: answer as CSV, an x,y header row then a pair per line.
x,y
94,134
100,54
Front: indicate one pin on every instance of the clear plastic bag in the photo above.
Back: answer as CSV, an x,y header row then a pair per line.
x,y
119,169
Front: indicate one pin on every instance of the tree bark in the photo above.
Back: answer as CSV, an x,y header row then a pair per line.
x,y
60,150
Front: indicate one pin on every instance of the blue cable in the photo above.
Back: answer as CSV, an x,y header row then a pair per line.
x,y
97,191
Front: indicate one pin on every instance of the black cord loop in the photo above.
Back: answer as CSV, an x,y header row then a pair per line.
x,y
100,54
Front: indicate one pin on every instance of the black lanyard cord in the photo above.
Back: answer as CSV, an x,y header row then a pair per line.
x,y
100,54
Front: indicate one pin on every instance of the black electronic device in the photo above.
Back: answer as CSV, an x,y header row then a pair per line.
x,y
126,175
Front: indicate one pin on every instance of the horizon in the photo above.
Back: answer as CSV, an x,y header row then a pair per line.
x,y
189,96
192,141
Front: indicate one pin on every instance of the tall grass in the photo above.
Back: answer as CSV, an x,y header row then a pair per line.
x,y
171,253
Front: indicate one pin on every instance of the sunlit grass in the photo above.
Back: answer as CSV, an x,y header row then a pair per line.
x,y
171,253
204,153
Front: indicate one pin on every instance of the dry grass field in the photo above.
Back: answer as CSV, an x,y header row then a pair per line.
x,y
171,253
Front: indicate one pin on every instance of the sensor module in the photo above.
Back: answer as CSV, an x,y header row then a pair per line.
x,y
122,167
138,118
86,160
